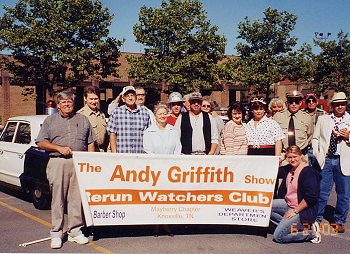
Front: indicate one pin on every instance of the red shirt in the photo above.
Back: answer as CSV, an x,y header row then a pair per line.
x,y
171,120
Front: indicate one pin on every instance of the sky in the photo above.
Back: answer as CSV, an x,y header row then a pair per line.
x,y
323,16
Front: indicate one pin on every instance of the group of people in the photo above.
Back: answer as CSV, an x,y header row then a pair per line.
x,y
304,140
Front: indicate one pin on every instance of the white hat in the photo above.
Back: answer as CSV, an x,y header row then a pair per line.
x,y
128,88
339,97
175,97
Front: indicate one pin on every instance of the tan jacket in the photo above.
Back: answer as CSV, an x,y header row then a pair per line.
x,y
321,140
98,123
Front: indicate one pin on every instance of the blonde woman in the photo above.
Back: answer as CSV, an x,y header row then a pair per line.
x,y
297,202
276,105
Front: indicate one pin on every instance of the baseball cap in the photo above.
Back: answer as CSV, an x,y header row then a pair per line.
x,y
127,89
195,96
313,95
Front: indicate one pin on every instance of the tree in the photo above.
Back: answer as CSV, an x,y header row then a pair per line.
x,y
181,47
332,64
263,56
300,65
57,43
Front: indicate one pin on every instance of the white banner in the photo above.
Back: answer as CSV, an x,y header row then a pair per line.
x,y
132,189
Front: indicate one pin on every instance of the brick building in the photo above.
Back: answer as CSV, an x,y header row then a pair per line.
x,y
18,100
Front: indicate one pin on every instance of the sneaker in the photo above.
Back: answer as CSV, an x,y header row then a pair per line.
x,y
316,233
80,239
56,243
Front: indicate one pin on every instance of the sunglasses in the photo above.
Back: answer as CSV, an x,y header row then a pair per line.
x,y
206,106
296,101
311,100
178,103
195,101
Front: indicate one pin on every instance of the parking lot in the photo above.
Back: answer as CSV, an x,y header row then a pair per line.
x,y
21,222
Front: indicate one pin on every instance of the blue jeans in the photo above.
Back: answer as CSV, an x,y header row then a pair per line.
x,y
288,230
331,173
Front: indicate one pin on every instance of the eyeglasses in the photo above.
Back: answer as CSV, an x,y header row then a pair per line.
x,y
206,106
261,100
311,100
296,101
292,178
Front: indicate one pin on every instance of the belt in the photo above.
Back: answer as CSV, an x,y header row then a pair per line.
x,y
261,146
333,156
69,156
198,153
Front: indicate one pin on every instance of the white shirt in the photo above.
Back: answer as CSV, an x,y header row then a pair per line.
x,y
198,142
161,141
266,132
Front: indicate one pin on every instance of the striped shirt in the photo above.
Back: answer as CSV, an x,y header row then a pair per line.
x,y
234,139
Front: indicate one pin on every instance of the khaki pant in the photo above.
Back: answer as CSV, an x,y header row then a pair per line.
x,y
64,187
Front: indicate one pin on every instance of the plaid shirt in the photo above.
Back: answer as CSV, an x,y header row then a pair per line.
x,y
129,127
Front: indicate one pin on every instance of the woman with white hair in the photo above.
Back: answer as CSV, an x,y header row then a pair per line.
x,y
160,137
276,105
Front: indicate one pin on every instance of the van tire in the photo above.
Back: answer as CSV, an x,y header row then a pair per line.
x,y
40,200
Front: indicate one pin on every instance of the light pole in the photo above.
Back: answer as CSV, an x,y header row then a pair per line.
x,y
322,36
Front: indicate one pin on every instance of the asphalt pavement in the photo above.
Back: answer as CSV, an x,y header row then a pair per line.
x,y
20,222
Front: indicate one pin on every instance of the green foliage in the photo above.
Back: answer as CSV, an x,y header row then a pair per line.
x,y
332,64
300,66
58,42
181,47
263,56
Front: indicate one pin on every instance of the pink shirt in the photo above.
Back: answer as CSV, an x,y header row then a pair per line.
x,y
292,188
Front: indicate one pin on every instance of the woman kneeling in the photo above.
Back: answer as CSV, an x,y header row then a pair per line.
x,y
295,211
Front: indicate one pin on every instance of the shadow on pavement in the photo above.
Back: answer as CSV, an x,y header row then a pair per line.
x,y
149,230
17,193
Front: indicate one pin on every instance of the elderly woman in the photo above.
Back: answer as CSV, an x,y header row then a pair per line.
x,y
161,138
276,105
264,134
208,106
234,139
295,210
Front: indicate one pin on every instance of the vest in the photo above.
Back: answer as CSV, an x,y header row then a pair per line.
x,y
186,133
